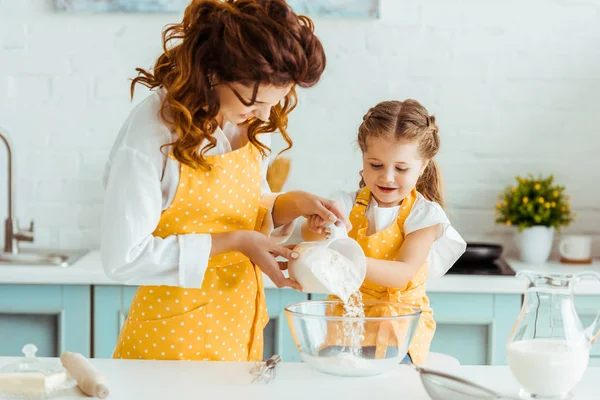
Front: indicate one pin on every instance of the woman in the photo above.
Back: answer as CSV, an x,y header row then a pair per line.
x,y
187,210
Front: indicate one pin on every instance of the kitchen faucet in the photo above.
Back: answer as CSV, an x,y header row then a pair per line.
x,y
12,234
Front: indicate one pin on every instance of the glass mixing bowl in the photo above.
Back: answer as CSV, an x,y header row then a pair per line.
x,y
352,346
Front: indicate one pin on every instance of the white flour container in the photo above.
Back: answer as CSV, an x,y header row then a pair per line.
x,y
334,266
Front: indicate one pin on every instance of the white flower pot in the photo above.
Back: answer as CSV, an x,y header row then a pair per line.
x,y
535,244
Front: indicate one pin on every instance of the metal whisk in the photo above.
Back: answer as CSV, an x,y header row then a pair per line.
x,y
264,371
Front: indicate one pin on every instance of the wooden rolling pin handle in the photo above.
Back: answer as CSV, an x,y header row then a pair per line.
x,y
89,379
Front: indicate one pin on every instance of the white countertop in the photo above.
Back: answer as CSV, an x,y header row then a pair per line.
x,y
183,380
85,271
511,284
88,271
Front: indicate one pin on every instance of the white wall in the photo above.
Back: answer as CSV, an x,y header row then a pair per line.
x,y
515,85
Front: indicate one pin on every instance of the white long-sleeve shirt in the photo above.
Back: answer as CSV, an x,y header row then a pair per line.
x,y
140,182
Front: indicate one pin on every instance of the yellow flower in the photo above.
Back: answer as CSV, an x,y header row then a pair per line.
x,y
525,200
514,189
547,205
555,193
508,223
537,186
553,204
541,200
563,208
499,206
505,203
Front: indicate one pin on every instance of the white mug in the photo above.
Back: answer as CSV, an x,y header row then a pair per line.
x,y
576,247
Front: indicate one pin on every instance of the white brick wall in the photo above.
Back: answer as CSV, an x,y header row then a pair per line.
x,y
515,85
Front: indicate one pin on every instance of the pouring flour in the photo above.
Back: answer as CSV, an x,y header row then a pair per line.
x,y
334,266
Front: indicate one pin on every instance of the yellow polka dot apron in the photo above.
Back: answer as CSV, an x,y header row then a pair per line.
x,y
385,245
225,318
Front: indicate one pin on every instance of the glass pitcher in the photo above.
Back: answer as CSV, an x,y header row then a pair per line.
x,y
548,349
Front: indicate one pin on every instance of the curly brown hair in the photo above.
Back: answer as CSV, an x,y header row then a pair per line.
x,y
409,121
251,42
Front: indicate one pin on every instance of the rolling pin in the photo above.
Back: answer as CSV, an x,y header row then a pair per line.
x,y
89,379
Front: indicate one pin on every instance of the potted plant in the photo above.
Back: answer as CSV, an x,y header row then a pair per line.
x,y
537,207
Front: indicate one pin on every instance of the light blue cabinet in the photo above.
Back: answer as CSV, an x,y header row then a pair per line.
x,y
55,318
111,305
278,338
474,328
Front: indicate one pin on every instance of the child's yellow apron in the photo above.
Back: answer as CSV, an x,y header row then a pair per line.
x,y
224,319
385,245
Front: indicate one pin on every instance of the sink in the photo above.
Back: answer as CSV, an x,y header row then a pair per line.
x,y
42,257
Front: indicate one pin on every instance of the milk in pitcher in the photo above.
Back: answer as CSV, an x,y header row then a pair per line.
x,y
547,367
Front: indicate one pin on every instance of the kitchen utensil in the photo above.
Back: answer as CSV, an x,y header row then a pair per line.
x,y
32,378
265,371
315,276
481,252
548,350
481,259
89,379
443,386
277,173
319,333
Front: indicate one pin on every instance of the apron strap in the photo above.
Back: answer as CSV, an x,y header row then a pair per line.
x,y
363,199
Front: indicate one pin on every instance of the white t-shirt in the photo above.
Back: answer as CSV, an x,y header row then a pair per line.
x,y
446,249
140,182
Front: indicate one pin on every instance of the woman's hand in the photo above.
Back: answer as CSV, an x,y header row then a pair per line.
x,y
261,250
292,205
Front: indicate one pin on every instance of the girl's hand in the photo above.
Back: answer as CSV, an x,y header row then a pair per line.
x,y
262,251
317,224
319,210
314,230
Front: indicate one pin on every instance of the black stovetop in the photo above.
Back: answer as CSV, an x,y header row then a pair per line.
x,y
497,267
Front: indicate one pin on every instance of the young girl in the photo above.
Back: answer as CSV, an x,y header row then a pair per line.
x,y
397,215
187,207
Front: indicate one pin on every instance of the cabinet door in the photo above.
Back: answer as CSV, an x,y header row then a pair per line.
x,y
278,338
474,328
53,317
463,326
111,305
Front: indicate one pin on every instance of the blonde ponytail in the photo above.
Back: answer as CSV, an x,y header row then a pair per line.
x,y
430,183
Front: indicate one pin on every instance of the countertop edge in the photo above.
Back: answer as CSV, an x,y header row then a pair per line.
x,y
88,271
